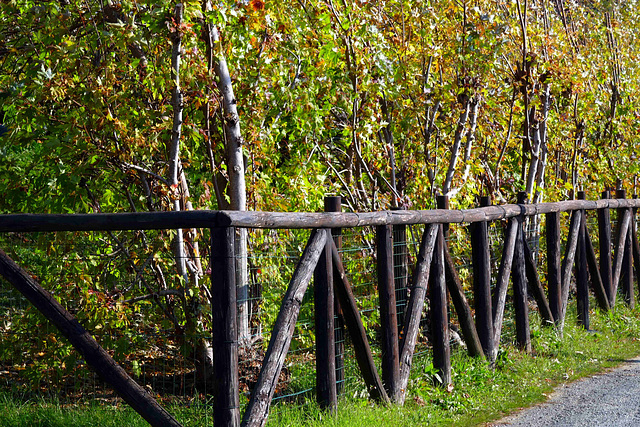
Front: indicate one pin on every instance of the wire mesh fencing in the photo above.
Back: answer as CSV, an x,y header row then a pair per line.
x,y
125,289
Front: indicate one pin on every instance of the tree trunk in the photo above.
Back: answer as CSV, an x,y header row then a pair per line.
x,y
237,186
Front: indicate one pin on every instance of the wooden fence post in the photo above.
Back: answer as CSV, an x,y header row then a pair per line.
x,y
388,313
226,410
400,269
636,245
415,305
354,325
604,231
582,277
554,275
258,407
438,313
519,278
97,357
326,392
481,261
626,275
334,204
456,292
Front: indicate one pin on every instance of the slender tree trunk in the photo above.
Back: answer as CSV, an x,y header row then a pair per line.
x,y
455,150
237,186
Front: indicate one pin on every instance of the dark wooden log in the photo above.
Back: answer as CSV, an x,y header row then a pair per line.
x,y
535,287
582,269
554,272
454,286
224,319
415,306
465,317
388,313
604,231
99,360
292,220
326,392
635,244
627,270
258,408
623,228
567,263
438,313
401,270
519,279
500,295
481,262
594,272
442,202
354,325
334,204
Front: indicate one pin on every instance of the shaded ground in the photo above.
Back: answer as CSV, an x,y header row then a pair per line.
x,y
609,399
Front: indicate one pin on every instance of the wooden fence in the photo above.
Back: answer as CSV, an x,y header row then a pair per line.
x,y
434,276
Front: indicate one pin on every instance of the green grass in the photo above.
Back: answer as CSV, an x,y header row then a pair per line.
x,y
480,394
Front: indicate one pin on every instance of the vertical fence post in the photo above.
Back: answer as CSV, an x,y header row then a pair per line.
x,y
481,261
226,406
636,245
400,269
554,275
626,276
604,232
388,313
334,204
438,312
325,331
582,278
519,278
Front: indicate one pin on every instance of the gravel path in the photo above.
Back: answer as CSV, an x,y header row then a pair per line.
x,y
610,399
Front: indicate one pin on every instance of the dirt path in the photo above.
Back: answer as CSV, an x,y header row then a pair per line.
x,y
609,399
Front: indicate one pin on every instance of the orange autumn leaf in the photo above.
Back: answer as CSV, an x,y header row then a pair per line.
x,y
257,4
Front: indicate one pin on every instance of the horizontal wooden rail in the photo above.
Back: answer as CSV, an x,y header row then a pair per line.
x,y
290,220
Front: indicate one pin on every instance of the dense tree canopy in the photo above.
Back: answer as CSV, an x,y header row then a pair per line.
x,y
383,102
144,106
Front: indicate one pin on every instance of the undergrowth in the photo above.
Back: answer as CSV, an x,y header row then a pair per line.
x,y
481,392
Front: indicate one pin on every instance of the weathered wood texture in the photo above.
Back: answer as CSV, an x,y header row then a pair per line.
x,y
354,325
326,391
481,263
554,272
582,272
107,368
460,303
456,291
334,204
635,243
439,316
502,284
388,313
626,272
401,270
293,220
535,286
597,284
623,228
567,263
226,402
604,241
520,300
258,408
415,306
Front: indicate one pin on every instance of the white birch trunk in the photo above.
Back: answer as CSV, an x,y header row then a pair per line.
x,y
237,186
455,150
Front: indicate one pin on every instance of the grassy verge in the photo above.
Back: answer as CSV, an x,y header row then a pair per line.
x,y
481,393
